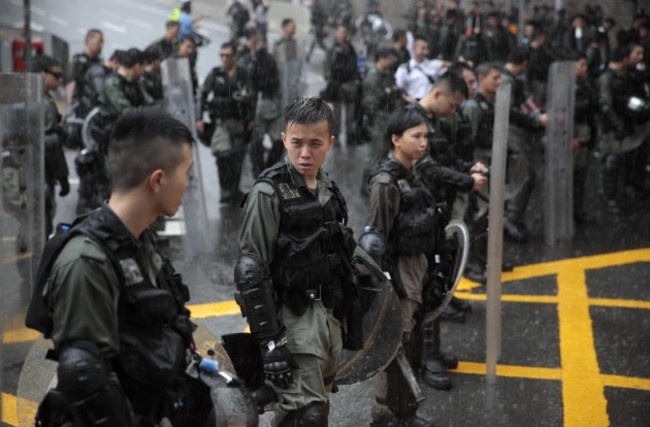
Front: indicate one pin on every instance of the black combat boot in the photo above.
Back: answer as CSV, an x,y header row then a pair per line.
x,y
460,305
610,184
435,373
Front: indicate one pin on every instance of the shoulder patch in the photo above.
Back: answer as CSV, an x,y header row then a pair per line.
x,y
383,178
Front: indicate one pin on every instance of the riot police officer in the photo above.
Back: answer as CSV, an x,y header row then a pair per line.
x,y
443,175
342,77
56,168
288,55
267,99
318,20
113,307
168,44
480,112
381,96
523,122
293,274
81,63
226,99
403,213
613,93
586,112
151,80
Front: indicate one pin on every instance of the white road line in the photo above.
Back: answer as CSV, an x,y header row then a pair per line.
x,y
140,23
113,27
220,28
36,27
58,20
38,11
151,9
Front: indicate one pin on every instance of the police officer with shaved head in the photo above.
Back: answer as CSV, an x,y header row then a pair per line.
x,y
293,274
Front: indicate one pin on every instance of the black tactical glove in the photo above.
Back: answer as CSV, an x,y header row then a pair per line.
x,y
65,187
278,363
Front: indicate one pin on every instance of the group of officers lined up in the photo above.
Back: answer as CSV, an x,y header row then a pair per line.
x,y
114,304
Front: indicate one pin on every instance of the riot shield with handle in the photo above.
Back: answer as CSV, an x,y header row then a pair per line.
x,y
22,217
451,261
179,101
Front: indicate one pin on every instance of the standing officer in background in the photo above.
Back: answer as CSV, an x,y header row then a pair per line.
x,y
480,112
402,212
586,112
81,63
293,274
381,96
56,168
151,80
114,308
342,77
443,176
168,44
318,20
288,56
523,121
266,97
225,96
613,91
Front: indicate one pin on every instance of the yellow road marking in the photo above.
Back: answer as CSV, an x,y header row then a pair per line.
x,y
15,336
541,373
584,263
10,408
539,299
619,303
214,309
512,371
583,393
626,382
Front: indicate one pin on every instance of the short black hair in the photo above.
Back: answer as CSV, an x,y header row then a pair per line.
x,y
384,52
287,21
518,55
152,53
44,63
133,57
170,24
402,120
187,38
459,67
228,45
92,33
143,140
310,110
118,55
398,34
485,68
452,82
576,56
620,53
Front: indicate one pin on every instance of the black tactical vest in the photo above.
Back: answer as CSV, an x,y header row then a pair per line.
x,y
153,324
485,128
227,102
314,246
415,228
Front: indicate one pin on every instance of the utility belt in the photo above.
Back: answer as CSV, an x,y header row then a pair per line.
x,y
299,300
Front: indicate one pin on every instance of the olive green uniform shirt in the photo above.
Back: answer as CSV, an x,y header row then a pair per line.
x,y
83,293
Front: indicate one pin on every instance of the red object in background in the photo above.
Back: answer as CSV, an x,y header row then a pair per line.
x,y
18,52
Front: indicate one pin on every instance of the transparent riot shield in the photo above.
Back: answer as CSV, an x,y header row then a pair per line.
x,y
179,101
290,59
558,168
22,226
